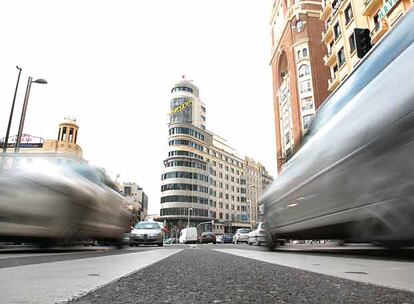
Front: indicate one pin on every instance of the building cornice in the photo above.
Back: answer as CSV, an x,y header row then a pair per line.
x,y
294,10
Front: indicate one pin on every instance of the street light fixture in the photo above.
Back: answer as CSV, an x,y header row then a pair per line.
x,y
189,211
24,110
6,140
256,190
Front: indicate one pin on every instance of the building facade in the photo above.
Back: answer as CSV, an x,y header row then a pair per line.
x,y
343,18
300,78
65,148
137,201
204,179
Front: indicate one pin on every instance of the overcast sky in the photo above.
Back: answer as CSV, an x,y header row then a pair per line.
x,y
111,64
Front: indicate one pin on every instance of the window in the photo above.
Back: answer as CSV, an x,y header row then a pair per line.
x,y
304,53
348,14
305,86
307,121
304,70
352,44
337,31
341,57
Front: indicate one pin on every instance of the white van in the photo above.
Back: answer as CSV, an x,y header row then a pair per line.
x,y
188,235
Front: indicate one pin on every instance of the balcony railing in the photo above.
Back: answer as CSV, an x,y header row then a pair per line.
x,y
379,30
326,10
330,57
371,7
333,82
327,34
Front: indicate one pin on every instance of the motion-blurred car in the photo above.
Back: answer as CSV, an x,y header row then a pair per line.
x,y
227,238
146,233
257,236
56,200
241,235
207,237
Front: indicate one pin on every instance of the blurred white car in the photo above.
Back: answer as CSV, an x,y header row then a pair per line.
x,y
257,236
48,202
219,238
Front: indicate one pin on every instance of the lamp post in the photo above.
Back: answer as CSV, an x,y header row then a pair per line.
x,y
6,140
23,116
189,211
256,190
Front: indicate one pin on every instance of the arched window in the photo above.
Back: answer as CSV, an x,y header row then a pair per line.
x,y
305,52
304,70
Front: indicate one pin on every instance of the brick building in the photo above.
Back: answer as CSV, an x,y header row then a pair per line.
x,y
300,78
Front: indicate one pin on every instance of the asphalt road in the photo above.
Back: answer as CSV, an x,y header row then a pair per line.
x,y
206,274
203,275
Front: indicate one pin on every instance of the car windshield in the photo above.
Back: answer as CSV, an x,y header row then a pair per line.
x,y
244,231
147,225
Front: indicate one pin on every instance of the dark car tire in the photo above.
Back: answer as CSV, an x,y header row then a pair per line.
x,y
160,244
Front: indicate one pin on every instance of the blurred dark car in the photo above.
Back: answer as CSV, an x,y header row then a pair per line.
x,y
58,200
207,237
227,238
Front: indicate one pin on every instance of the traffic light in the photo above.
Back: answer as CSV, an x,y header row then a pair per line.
x,y
362,41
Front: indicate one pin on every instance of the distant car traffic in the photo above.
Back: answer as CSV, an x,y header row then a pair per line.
x,y
171,241
241,235
188,235
227,238
257,236
207,237
146,233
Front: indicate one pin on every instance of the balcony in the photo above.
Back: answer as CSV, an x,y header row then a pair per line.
x,y
327,34
326,10
333,82
371,7
329,59
379,30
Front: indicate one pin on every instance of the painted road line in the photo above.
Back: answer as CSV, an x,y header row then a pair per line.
x,y
61,281
399,275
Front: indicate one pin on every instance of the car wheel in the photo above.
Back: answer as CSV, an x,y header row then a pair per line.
x,y
160,244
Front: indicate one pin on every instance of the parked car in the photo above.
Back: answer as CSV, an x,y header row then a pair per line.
x,y
219,238
241,235
188,235
207,237
257,236
171,241
227,238
147,233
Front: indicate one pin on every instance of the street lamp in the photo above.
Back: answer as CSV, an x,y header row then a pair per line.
x,y
256,190
23,116
6,140
189,210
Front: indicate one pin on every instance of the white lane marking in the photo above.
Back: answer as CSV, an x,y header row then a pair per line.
x,y
61,281
399,275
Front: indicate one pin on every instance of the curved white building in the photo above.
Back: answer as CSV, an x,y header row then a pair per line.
x,y
203,177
